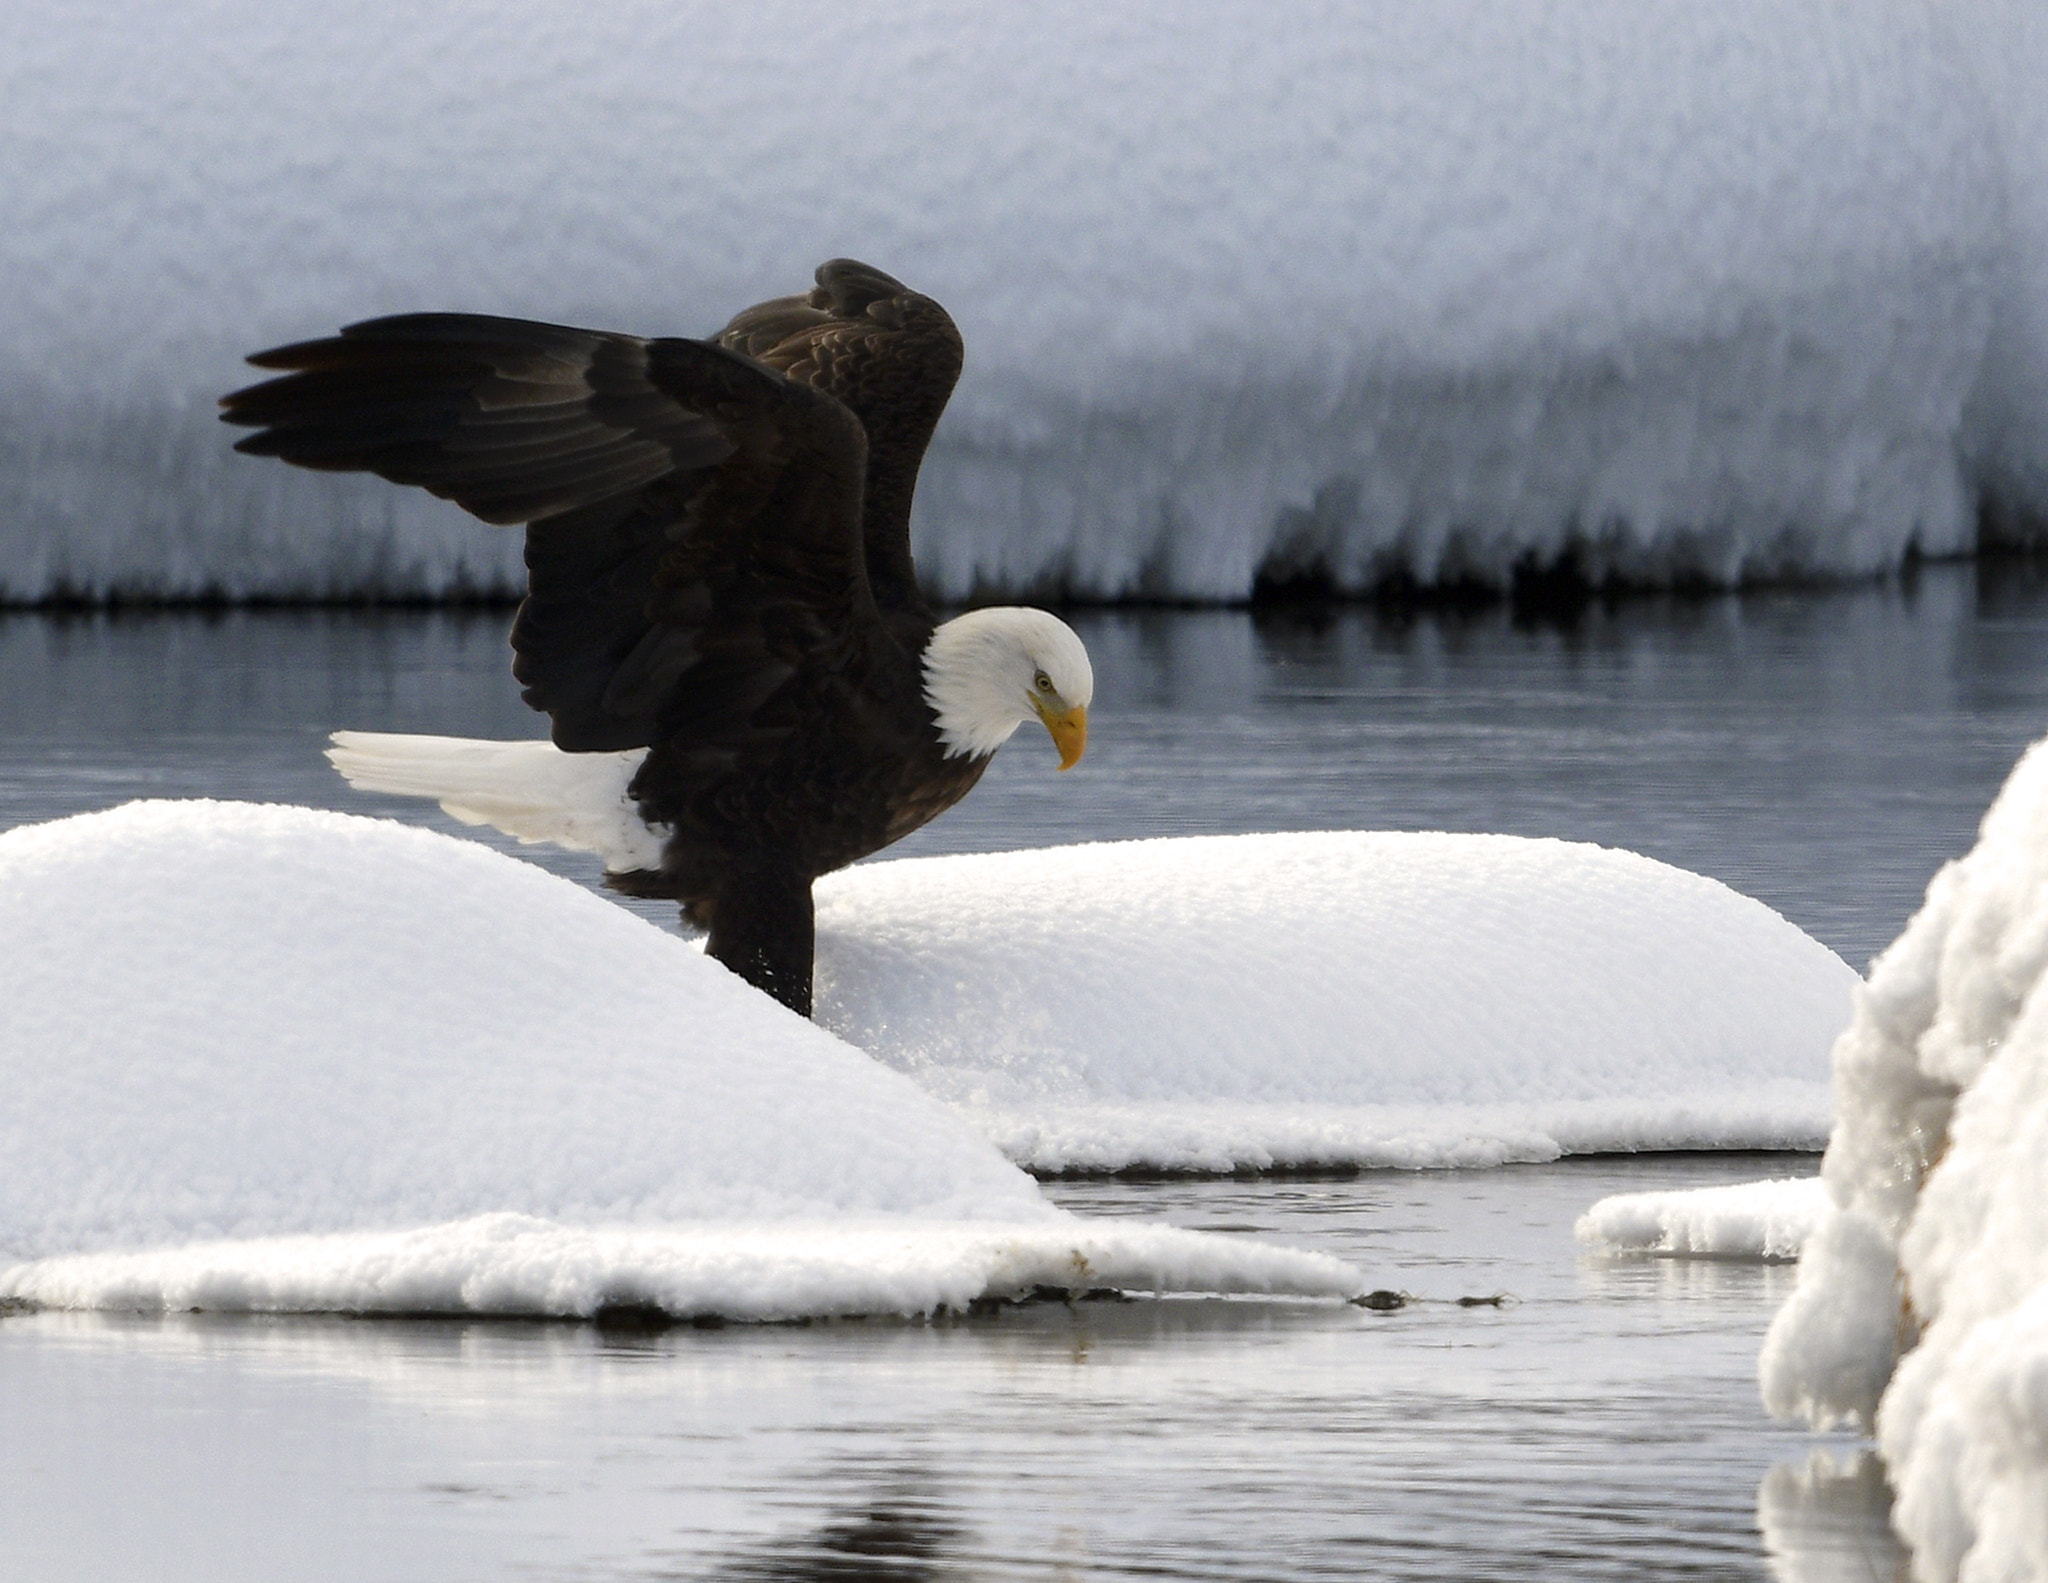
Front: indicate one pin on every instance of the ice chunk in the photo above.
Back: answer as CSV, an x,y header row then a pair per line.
x,y
1742,1220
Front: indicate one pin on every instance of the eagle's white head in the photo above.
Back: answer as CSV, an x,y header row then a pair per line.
x,y
989,671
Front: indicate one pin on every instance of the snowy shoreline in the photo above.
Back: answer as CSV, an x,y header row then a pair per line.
x,y
1414,294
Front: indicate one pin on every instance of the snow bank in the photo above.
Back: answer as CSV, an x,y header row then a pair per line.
x,y
2005,422
264,1057
1922,1303
1742,1220
1341,998
1722,290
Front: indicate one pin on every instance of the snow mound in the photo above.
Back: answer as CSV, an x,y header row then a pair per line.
x,y
1743,1220
1342,998
1722,291
1922,1302
276,1058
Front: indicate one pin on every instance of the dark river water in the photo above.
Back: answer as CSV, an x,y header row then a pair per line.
x,y
1601,1423
1824,751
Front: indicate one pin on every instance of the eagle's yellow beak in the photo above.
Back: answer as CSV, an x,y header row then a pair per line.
x,y
1069,733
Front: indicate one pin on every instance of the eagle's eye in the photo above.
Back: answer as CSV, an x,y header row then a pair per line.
x,y
1043,682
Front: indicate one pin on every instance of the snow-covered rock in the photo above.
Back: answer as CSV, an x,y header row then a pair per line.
x,y
1719,290
1336,998
1922,1302
266,1057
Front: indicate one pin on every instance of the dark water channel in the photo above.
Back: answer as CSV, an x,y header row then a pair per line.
x,y
1823,751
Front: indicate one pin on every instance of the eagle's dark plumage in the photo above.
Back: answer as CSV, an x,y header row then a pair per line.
x,y
719,570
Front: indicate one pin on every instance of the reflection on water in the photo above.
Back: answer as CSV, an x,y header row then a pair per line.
x,y
1823,751
1605,1425
896,1532
1827,1520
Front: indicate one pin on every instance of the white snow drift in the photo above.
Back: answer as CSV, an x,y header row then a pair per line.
x,y
1721,290
1741,1220
260,1057
1922,1303
1333,999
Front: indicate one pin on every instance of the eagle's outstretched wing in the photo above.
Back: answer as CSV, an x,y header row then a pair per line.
x,y
694,516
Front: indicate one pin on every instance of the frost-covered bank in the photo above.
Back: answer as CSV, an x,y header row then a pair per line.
x,y
1922,1304
1719,291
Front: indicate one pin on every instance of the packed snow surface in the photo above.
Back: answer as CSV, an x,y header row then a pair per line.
x,y
271,1058
1742,1220
1922,1302
1338,998
1718,290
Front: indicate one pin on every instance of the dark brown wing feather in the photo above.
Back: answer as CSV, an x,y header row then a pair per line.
x,y
893,356
511,420
685,503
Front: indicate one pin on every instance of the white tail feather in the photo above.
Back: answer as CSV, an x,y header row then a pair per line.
x,y
532,790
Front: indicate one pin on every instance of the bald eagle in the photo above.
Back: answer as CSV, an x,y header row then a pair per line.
x,y
746,687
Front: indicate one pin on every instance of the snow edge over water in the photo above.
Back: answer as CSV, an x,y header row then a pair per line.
x,y
509,1264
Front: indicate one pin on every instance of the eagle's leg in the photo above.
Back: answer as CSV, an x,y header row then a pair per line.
x,y
761,928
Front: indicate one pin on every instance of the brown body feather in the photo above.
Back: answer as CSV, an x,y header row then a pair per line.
x,y
718,563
